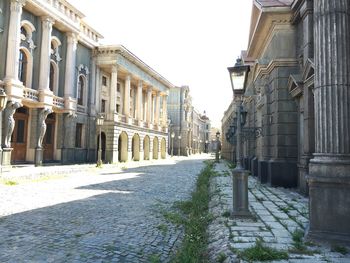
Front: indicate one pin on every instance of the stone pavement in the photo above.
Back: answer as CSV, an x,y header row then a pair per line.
x,y
278,215
96,215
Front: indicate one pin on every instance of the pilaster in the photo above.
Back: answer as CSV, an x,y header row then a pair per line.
x,y
157,108
329,179
149,105
165,113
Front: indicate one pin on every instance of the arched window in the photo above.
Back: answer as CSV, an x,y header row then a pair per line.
x,y
81,87
52,77
24,32
22,69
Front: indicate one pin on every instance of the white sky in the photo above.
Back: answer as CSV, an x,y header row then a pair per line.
x,y
189,42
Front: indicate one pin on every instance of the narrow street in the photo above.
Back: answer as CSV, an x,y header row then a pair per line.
x,y
99,216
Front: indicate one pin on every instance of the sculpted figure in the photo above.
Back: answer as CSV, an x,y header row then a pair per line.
x,y
42,125
10,121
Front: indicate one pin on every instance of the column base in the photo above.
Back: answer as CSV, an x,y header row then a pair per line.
x,y
240,193
329,203
262,171
283,174
6,156
38,159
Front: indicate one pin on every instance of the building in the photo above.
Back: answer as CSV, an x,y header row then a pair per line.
x,y
296,90
58,79
191,130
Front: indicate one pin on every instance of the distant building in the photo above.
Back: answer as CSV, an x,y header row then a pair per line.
x,y
192,127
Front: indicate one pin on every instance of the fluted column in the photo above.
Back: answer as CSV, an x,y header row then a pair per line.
x,y
139,101
149,105
113,90
45,54
72,42
157,108
127,96
329,171
14,39
70,70
165,112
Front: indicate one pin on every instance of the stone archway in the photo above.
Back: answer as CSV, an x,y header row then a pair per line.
x,y
155,148
135,147
146,147
163,149
123,147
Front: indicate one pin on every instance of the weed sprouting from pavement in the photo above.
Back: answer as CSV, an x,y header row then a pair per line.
x,y
261,252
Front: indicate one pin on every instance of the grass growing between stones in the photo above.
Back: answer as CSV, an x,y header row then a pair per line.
x,y
194,216
260,252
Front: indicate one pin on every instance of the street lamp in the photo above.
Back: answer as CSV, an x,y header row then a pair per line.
x,y
238,75
172,143
99,122
206,146
3,101
179,137
217,147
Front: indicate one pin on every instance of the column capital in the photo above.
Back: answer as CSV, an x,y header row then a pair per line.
x,y
114,68
47,21
72,38
128,77
16,5
149,89
140,83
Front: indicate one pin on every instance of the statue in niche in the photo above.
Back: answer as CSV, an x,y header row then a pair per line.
x,y
10,121
42,125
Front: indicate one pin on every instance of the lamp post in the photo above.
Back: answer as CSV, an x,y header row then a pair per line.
x,y
206,146
99,122
217,159
3,101
172,143
238,75
179,150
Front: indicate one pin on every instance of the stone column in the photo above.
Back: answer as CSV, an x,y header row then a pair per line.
x,y
165,113
127,97
139,102
113,91
157,108
45,54
149,105
14,39
70,71
329,179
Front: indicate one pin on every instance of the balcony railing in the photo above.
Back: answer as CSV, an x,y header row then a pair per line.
x,y
58,102
31,94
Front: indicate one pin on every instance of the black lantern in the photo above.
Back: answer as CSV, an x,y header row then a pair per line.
x,y
238,75
244,114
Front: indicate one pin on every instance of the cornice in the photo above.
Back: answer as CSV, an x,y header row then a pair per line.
x,y
121,50
269,19
266,70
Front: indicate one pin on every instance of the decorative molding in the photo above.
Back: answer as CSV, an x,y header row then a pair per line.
x,y
295,85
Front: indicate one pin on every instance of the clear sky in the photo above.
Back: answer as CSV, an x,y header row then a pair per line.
x,y
189,42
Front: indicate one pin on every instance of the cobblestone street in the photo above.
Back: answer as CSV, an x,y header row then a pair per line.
x,y
96,216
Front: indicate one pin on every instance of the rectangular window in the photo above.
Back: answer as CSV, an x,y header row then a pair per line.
x,y
78,135
118,87
103,106
118,108
104,81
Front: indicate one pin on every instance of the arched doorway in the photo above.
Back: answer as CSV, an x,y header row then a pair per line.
x,y
49,138
136,147
155,148
146,147
163,149
103,146
123,147
19,135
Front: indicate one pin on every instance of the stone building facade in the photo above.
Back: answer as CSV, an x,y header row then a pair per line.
x,y
58,78
297,91
185,121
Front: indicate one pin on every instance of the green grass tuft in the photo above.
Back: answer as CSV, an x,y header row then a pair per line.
x,y
260,252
